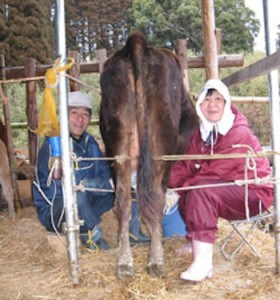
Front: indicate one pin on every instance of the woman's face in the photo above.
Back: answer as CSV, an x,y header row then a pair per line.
x,y
213,106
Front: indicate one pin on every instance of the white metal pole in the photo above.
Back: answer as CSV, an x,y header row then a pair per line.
x,y
275,117
72,224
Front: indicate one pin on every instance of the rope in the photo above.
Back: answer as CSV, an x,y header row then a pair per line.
x,y
82,188
185,156
250,164
90,241
36,78
83,84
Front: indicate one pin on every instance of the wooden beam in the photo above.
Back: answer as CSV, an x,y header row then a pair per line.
x,y
225,61
261,67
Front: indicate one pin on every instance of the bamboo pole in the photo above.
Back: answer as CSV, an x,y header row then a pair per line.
x,y
72,225
275,117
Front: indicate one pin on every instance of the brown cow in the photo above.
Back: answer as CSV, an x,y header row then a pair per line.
x,y
5,178
144,104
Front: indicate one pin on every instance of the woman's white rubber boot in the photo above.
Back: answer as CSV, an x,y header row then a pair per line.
x,y
201,266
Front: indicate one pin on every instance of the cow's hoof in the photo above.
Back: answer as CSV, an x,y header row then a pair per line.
x,y
124,271
156,270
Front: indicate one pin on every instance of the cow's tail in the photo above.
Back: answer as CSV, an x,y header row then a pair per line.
x,y
138,50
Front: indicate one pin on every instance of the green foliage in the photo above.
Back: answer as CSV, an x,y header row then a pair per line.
x,y
258,114
238,24
4,45
26,31
92,24
167,20
257,87
26,27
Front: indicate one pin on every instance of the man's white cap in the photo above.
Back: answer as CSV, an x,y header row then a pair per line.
x,y
79,99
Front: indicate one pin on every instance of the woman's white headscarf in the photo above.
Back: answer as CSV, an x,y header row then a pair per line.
x,y
227,120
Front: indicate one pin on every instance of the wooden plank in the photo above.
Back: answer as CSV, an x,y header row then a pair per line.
x,y
225,61
261,67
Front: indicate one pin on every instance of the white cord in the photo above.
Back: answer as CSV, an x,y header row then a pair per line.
x,y
50,202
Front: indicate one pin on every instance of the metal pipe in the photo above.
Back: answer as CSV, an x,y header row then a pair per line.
x,y
275,117
72,223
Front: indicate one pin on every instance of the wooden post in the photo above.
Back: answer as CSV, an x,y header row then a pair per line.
x,y
75,71
102,57
31,109
210,44
218,34
10,148
180,46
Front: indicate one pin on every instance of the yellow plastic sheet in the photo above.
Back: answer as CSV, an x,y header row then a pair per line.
x,y
48,121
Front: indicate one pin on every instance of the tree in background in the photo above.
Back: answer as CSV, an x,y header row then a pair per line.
x,y
167,20
4,45
95,24
26,27
29,31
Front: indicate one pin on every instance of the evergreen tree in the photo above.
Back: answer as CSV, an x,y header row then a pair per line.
x,y
30,31
4,45
95,24
167,20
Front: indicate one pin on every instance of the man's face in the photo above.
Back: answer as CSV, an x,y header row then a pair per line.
x,y
79,118
213,107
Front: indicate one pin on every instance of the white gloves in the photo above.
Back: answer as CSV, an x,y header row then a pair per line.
x,y
171,197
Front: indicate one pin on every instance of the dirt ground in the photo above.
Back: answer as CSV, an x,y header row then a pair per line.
x,y
34,265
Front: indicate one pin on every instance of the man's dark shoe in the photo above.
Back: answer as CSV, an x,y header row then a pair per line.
x,y
102,244
93,239
139,238
136,235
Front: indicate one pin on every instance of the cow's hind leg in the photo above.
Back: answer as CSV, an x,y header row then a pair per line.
x,y
156,255
123,198
152,216
5,179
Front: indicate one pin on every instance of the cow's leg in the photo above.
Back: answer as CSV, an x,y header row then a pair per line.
x,y
5,180
123,206
8,194
152,216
